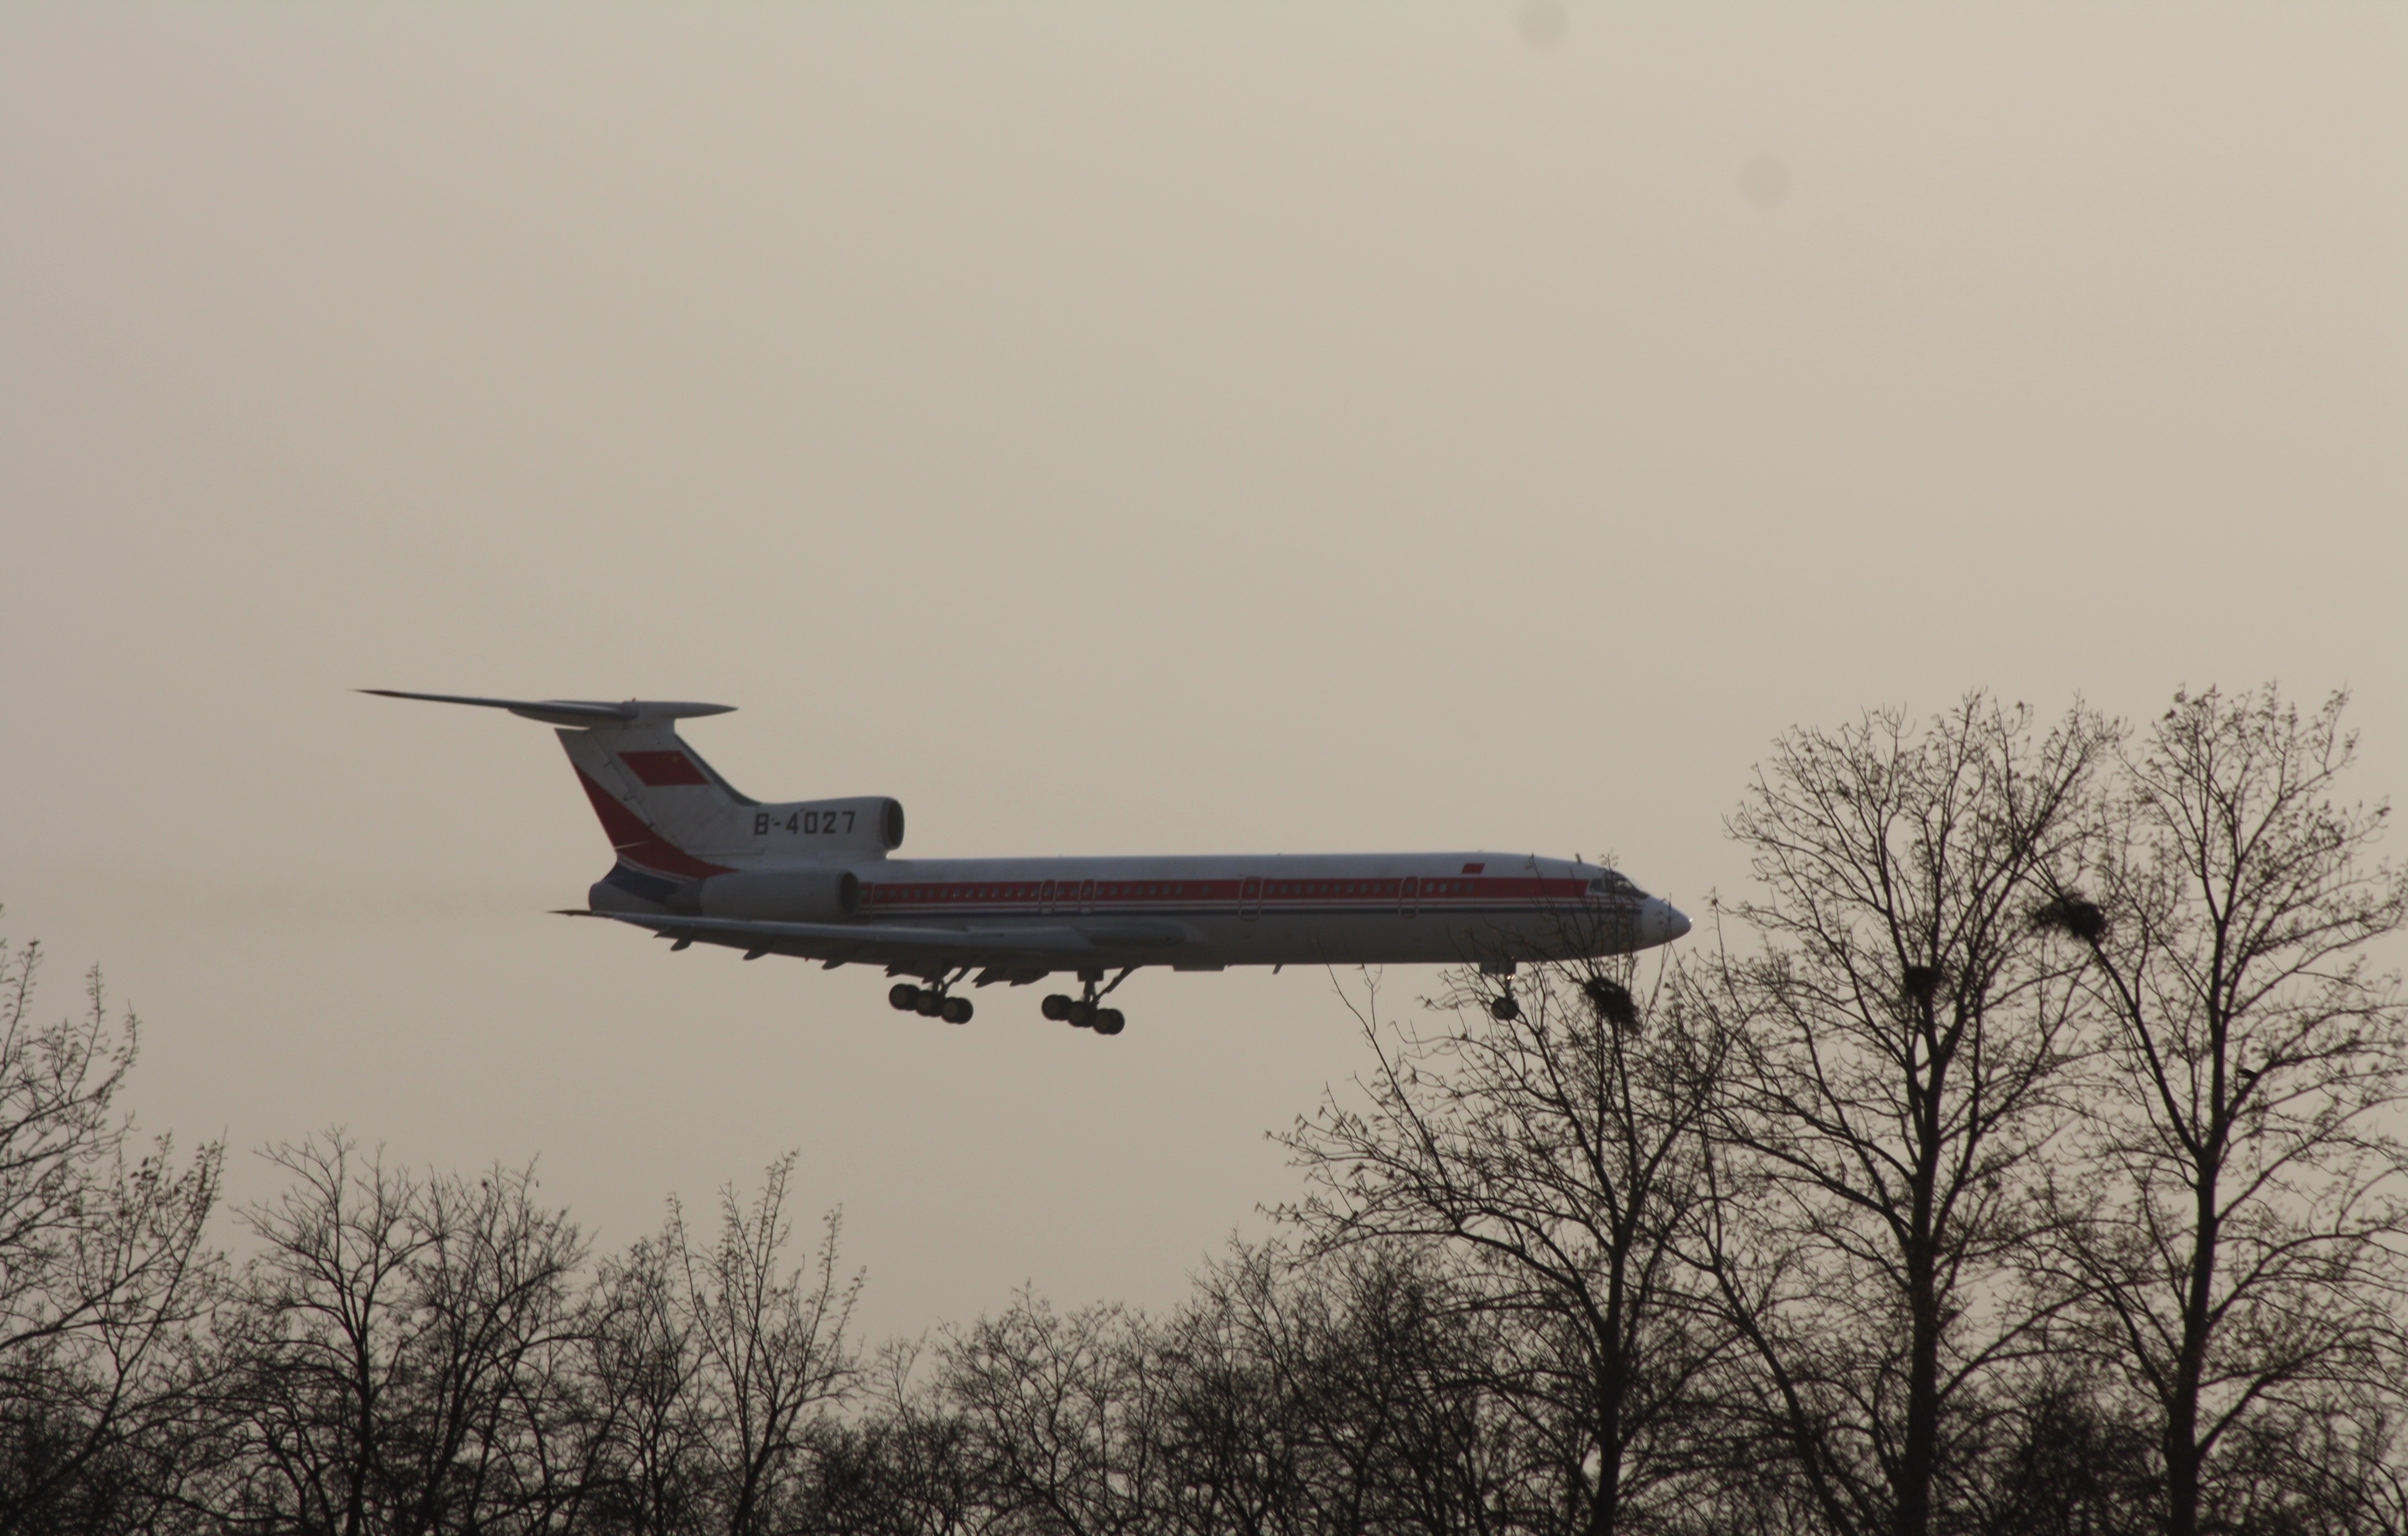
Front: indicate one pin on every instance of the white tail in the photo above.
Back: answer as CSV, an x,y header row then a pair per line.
x,y
672,820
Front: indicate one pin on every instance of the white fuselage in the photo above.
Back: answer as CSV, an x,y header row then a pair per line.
x,y
1209,911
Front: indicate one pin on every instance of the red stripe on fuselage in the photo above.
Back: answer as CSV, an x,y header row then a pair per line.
x,y
637,843
1437,891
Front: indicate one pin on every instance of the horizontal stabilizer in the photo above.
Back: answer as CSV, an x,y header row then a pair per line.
x,y
573,712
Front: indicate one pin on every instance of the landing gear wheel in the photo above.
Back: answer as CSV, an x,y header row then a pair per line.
x,y
956,1011
932,1003
903,997
1505,1009
1087,1010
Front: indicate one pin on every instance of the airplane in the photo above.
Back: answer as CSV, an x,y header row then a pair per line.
x,y
701,864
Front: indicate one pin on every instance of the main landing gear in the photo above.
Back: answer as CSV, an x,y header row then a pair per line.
x,y
929,1001
1504,1007
1086,1011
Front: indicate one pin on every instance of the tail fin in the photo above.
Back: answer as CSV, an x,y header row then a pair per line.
x,y
665,810
672,818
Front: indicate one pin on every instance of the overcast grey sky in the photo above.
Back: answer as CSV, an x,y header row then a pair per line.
x,y
1109,428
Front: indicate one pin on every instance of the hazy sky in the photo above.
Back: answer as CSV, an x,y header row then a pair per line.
x,y
1110,428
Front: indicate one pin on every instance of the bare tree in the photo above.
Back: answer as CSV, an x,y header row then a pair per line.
x,y
1064,1413
1348,1391
391,1364
644,1367
2243,1230
769,1343
1555,1152
1235,1431
1899,1044
103,1272
905,1468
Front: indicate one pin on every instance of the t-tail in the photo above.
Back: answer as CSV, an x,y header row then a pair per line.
x,y
672,820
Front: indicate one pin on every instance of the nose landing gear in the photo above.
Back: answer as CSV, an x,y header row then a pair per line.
x,y
929,1002
1504,1007
1086,1011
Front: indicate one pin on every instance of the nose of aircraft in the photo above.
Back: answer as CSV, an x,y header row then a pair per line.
x,y
1660,923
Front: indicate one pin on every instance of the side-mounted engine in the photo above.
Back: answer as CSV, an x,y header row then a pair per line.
x,y
783,895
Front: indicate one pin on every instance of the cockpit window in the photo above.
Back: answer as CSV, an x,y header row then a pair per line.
x,y
1612,883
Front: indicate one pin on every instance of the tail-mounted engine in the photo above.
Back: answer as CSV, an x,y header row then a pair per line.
x,y
783,895
865,827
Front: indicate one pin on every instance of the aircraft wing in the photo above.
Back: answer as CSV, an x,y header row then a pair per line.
x,y
895,943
